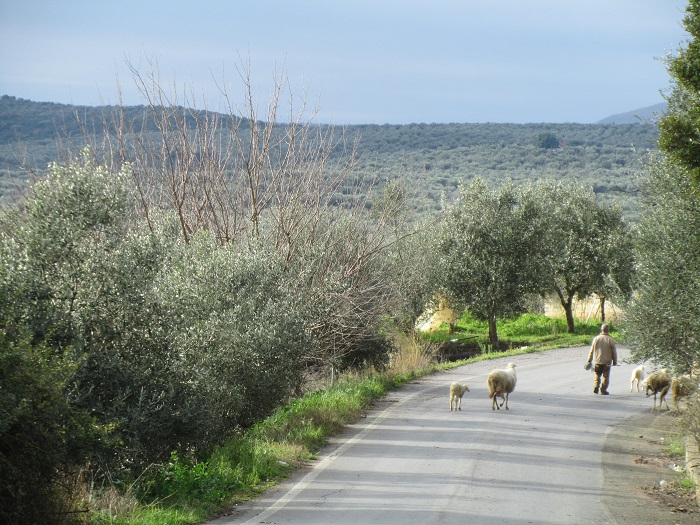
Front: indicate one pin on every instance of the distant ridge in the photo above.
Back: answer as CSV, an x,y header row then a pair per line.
x,y
638,116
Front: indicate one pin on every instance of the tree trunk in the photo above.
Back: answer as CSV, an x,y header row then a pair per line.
x,y
569,317
602,309
493,334
567,303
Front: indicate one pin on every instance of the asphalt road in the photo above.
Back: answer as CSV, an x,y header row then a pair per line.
x,y
412,461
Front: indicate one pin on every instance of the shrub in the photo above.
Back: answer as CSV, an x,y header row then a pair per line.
x,y
43,438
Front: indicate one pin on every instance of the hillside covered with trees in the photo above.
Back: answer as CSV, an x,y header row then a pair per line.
x,y
432,159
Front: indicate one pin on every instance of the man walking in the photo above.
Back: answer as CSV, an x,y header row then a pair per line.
x,y
603,354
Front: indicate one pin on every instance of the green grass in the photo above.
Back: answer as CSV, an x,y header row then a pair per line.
x,y
686,483
526,330
187,491
675,447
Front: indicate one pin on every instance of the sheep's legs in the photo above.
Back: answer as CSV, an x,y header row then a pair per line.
x,y
662,399
505,400
494,402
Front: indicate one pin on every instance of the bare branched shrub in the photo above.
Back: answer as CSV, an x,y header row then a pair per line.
x,y
253,180
229,171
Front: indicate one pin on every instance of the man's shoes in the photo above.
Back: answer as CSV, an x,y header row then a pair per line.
x,y
595,390
605,393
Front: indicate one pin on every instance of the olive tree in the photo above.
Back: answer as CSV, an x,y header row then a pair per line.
x,y
664,313
47,249
586,242
176,344
488,250
679,126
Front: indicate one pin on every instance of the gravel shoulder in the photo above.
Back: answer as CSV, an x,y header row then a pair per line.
x,y
635,460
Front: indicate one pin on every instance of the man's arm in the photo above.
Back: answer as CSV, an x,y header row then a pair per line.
x,y
590,352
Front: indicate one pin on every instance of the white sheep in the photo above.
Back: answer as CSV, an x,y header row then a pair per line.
x,y
638,376
683,386
658,382
501,383
457,390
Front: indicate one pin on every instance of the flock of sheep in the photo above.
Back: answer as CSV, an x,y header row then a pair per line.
x,y
501,383
660,382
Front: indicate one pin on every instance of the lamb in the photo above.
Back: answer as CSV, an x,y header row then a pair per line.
x,y
638,376
457,390
658,382
501,383
683,386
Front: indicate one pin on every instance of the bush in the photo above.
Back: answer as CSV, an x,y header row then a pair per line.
x,y
173,345
238,327
43,438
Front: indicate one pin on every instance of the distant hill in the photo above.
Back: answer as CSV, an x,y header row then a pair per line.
x,y
432,159
638,116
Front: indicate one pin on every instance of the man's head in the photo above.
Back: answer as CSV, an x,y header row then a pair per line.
x,y
604,328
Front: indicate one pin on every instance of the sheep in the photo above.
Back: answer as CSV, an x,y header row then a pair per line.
x,y
638,376
501,383
457,390
658,382
683,386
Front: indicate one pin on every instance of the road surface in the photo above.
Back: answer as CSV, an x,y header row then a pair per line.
x,y
412,461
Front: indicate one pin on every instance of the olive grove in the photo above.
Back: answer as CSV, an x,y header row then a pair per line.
x,y
498,246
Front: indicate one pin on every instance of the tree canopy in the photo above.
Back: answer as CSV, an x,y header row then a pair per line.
x,y
679,128
489,251
664,314
588,244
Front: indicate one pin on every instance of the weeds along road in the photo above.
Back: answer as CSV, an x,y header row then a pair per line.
x,y
412,461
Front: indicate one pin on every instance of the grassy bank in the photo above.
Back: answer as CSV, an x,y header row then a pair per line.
x,y
531,330
188,490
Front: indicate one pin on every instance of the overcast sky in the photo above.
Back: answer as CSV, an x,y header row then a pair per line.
x,y
357,61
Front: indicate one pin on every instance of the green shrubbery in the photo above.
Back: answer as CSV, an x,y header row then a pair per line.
x,y
125,347
127,344
44,438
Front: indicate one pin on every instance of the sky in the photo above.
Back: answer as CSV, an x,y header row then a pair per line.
x,y
352,61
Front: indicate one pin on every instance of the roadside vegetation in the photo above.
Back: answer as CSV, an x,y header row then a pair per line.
x,y
187,490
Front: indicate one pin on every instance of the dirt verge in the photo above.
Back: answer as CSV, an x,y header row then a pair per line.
x,y
642,481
